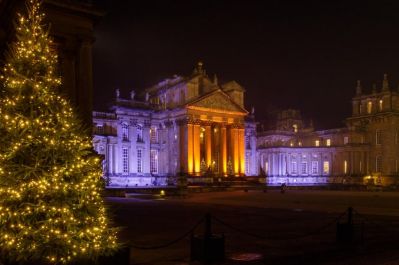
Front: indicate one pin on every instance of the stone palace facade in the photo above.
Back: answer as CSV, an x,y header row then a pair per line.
x,y
196,126
366,151
191,125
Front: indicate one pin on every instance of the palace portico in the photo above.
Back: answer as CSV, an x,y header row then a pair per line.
x,y
212,138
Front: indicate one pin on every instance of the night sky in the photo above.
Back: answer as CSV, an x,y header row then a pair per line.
x,y
287,54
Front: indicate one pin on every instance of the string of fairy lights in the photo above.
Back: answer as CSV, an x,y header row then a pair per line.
x,y
50,188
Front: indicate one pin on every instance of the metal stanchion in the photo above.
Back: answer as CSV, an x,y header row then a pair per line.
x,y
207,248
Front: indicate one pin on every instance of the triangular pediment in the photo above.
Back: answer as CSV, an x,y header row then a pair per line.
x,y
217,101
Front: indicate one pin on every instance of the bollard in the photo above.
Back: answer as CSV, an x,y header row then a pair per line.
x,y
345,232
207,248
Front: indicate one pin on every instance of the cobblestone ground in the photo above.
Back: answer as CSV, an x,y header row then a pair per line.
x,y
297,227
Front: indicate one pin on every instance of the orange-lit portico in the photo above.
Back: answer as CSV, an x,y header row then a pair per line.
x,y
212,136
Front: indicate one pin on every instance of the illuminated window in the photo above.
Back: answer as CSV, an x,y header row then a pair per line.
x,y
267,167
154,162
345,167
369,107
346,139
378,163
125,131
378,137
293,167
328,142
380,105
100,128
317,143
291,144
153,135
295,128
139,161
360,166
315,167
304,168
139,132
125,160
300,143
326,167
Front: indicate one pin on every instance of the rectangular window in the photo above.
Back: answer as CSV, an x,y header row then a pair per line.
x,y
346,139
154,162
125,132
328,142
267,167
360,166
377,137
315,167
326,167
139,161
380,104
378,164
304,168
317,143
369,107
293,167
345,167
125,160
100,129
153,135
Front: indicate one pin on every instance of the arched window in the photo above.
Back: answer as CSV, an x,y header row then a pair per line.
x,y
139,130
369,107
380,104
125,131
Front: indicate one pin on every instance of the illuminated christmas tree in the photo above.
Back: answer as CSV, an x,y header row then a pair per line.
x,y
51,210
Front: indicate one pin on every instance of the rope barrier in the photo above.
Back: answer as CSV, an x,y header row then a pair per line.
x,y
262,237
170,242
275,238
367,220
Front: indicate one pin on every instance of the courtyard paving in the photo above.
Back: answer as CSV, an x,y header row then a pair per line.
x,y
297,227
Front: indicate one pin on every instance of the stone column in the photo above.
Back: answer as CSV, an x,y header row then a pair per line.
x,y
236,155
208,146
85,84
241,150
223,151
190,150
183,147
196,149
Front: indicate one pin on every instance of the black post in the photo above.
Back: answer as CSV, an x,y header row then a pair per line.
x,y
350,215
207,248
208,226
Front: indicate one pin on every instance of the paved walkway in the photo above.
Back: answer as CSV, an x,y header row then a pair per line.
x,y
297,227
